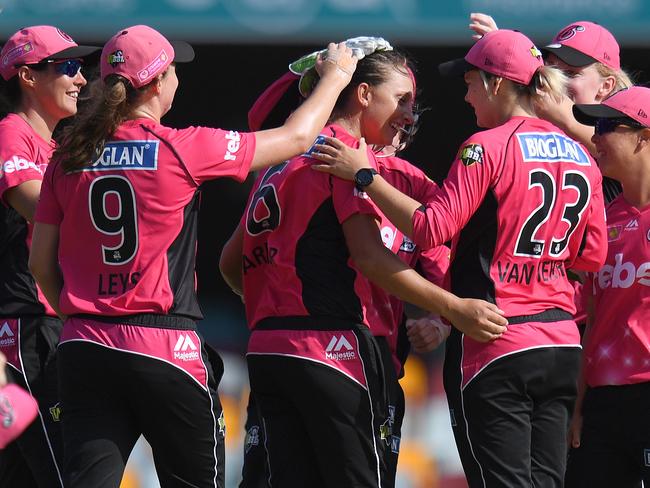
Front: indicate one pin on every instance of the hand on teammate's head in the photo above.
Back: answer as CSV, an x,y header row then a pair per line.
x,y
337,59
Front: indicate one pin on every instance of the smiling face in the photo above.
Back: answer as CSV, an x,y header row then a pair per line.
x,y
388,108
52,92
616,149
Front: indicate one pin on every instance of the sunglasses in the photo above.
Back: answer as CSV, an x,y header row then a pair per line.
x,y
605,126
69,67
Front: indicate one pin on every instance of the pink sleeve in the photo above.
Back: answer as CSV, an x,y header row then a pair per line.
x,y
462,192
348,201
48,210
593,250
214,153
17,160
434,264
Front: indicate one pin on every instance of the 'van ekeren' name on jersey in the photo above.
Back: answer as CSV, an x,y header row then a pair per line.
x,y
551,147
527,272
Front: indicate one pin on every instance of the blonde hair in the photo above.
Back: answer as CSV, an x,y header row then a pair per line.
x,y
548,81
623,80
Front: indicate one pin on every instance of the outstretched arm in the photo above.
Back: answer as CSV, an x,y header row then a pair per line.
x,y
478,319
302,127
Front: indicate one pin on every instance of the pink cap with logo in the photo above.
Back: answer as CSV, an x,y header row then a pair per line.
x,y
583,43
632,103
506,53
36,44
139,53
18,409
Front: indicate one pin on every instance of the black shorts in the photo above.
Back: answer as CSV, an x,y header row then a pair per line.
x,y
35,458
615,442
323,429
110,397
510,422
255,470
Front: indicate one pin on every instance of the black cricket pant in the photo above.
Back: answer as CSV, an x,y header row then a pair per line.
x,y
615,442
35,458
510,422
322,428
255,470
110,397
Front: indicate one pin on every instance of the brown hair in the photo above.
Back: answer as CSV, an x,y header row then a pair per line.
x,y
110,103
374,69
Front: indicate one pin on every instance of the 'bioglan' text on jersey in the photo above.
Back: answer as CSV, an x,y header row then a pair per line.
x,y
127,155
551,147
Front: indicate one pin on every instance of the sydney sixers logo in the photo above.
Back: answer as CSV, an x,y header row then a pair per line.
x,y
569,32
65,36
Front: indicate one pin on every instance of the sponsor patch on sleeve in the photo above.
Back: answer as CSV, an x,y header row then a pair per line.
x,y
471,154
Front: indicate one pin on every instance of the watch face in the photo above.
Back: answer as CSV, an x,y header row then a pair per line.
x,y
364,177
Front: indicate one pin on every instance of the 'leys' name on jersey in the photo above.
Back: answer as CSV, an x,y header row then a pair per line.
x,y
127,155
544,147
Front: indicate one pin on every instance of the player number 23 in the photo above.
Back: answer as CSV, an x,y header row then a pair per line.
x,y
527,243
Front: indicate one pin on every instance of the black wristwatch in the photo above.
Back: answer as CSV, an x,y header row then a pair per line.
x,y
364,177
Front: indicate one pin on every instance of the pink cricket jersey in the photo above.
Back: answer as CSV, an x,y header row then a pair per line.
x,y
386,314
24,156
618,348
128,221
295,258
522,202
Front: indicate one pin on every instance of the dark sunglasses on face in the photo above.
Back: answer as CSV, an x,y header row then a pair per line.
x,y
69,67
605,126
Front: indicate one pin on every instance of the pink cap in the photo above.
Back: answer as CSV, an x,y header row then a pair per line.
x,y
18,409
583,43
505,53
139,53
631,103
36,44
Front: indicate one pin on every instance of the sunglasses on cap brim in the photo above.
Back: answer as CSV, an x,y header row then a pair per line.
x,y
607,125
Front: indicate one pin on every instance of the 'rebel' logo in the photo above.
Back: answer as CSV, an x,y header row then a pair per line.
x,y
623,274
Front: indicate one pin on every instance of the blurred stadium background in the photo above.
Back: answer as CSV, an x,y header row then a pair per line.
x,y
242,46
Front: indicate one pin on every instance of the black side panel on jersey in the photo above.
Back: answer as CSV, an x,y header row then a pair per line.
x,y
611,189
181,259
470,268
322,266
18,295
